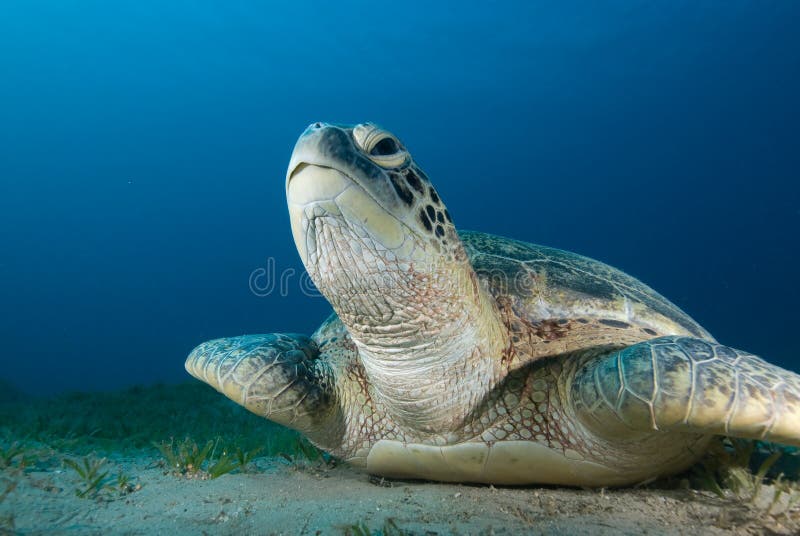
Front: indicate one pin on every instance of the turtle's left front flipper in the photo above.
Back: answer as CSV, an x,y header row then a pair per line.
x,y
687,385
278,376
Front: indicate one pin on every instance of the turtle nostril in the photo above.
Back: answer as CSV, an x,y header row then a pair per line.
x,y
312,128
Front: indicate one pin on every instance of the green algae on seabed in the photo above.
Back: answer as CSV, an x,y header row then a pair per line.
x,y
219,437
133,419
164,417
186,458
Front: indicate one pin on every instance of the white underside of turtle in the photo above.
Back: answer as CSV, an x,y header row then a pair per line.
x,y
461,356
506,462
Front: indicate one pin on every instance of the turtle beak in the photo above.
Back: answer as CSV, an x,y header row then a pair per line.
x,y
305,150
311,191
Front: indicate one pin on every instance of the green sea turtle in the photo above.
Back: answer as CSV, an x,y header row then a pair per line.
x,y
462,356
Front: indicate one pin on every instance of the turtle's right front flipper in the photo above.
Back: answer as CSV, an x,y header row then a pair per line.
x,y
687,385
277,376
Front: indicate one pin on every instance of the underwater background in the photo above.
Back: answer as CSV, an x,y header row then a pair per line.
x,y
143,150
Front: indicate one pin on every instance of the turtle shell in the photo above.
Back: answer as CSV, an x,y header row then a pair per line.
x,y
557,302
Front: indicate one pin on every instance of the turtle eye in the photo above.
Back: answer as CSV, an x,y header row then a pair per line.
x,y
385,147
380,146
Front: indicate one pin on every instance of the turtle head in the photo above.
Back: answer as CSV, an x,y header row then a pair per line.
x,y
363,180
371,230
379,244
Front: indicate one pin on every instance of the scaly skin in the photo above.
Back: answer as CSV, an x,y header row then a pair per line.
x,y
271,375
479,358
679,384
570,404
380,245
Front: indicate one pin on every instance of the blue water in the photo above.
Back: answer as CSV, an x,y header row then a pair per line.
x,y
143,147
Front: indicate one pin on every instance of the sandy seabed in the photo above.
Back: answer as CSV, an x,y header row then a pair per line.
x,y
278,497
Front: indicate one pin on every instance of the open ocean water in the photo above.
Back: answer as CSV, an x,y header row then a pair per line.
x,y
144,146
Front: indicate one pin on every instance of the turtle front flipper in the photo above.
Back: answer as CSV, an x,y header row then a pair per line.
x,y
277,376
687,385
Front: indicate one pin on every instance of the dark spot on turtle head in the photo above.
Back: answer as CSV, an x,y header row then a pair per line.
x,y
649,331
447,216
439,217
424,219
614,323
413,180
431,213
583,321
439,231
434,196
401,190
